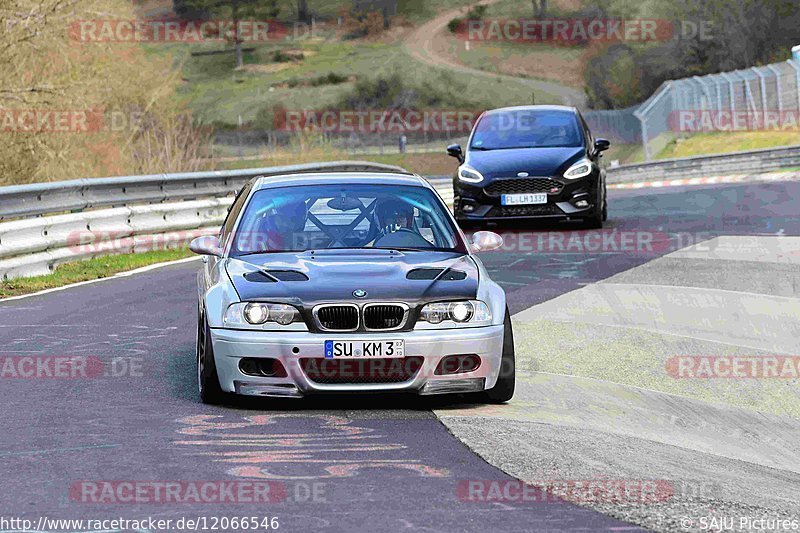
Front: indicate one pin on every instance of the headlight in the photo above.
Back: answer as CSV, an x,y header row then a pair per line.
x,y
579,170
472,312
248,315
470,175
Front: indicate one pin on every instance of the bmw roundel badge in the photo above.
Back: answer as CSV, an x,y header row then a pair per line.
x,y
360,293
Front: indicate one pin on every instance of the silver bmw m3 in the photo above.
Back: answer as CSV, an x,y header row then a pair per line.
x,y
348,283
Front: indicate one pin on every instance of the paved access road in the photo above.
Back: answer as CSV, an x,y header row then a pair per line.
x,y
352,464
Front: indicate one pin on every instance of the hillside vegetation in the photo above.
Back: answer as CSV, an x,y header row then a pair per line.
x,y
123,117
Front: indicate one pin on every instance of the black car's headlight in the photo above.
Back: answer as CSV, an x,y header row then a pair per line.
x,y
449,314
581,169
470,175
258,315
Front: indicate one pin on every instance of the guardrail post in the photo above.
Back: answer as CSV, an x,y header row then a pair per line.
x,y
645,140
778,90
731,92
796,68
763,83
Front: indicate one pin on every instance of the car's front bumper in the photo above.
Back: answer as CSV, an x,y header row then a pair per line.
x,y
230,346
474,203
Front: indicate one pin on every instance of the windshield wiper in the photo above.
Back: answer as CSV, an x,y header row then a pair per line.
x,y
401,249
266,252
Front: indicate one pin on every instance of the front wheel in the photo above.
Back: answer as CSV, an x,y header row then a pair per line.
x,y
600,215
207,379
503,390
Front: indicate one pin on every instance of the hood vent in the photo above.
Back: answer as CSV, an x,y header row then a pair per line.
x,y
273,276
288,275
431,274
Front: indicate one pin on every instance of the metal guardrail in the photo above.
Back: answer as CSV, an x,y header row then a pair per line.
x,y
77,195
752,161
157,212
170,209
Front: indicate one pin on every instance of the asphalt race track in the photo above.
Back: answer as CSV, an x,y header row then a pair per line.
x,y
337,464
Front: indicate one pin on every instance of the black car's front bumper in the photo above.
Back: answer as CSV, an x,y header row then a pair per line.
x,y
482,201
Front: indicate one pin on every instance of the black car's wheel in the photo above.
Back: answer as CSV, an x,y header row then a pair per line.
x,y
600,215
503,390
605,203
207,379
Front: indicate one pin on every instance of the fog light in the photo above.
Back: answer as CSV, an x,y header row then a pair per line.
x,y
468,208
457,364
268,367
581,203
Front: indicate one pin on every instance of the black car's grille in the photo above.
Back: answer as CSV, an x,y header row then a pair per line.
x,y
524,210
338,317
334,371
522,186
383,316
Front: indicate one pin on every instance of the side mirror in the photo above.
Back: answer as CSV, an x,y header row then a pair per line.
x,y
601,145
206,245
454,150
486,241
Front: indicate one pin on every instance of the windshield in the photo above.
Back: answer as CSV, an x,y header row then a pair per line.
x,y
314,217
526,129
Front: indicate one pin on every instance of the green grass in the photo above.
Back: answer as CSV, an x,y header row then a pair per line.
x,y
720,143
101,267
630,356
218,94
553,63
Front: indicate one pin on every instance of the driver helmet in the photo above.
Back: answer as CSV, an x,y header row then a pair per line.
x,y
290,217
393,214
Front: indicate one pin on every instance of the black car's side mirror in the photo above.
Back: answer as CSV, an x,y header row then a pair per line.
x,y
454,150
601,145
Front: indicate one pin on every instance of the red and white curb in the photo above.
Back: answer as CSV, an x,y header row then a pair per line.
x,y
714,180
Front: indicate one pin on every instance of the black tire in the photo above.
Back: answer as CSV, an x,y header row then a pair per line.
x,y
605,206
599,216
207,379
503,390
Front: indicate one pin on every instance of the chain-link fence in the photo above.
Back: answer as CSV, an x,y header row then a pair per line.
x,y
759,98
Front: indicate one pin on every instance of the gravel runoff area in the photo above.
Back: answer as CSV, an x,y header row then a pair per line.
x,y
596,401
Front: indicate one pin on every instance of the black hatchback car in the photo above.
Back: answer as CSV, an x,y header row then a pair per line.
x,y
530,162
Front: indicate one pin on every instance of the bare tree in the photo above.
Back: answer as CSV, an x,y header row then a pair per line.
x,y
302,11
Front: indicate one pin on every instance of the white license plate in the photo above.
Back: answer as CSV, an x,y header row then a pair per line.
x,y
364,349
523,199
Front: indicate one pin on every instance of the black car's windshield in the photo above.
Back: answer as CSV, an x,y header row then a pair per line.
x,y
315,217
525,128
